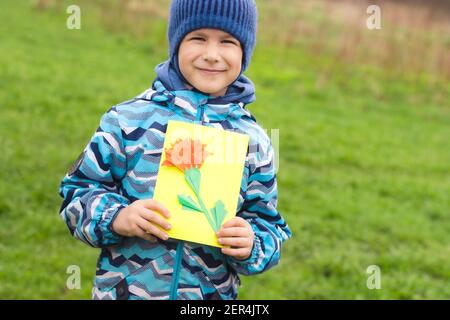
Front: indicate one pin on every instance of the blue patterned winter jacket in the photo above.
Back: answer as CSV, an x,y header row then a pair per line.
x,y
120,164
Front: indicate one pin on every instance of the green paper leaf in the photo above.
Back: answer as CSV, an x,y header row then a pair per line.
x,y
193,177
188,203
214,219
218,212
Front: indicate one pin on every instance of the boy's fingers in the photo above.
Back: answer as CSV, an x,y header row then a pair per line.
x,y
149,238
158,206
152,229
236,242
239,253
155,218
235,222
146,236
233,232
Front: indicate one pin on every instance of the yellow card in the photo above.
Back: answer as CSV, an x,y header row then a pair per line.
x,y
199,179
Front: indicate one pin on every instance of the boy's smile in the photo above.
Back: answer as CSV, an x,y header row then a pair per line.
x,y
210,60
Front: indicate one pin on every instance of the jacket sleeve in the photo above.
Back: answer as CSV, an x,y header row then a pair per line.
x,y
260,210
90,189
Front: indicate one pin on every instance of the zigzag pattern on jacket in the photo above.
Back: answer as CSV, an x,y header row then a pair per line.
x,y
119,165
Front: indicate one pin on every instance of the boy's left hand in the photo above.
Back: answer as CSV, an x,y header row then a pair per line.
x,y
239,236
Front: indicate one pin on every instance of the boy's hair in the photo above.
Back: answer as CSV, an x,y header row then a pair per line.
x,y
236,17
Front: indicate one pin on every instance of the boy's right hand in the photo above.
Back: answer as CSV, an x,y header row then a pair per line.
x,y
140,219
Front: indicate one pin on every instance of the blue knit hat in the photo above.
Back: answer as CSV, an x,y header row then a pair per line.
x,y
236,17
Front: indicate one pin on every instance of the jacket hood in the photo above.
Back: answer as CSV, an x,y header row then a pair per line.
x,y
189,101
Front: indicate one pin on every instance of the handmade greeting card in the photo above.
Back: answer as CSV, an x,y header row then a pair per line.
x,y
199,178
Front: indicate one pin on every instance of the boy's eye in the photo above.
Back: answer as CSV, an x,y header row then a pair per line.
x,y
198,38
230,42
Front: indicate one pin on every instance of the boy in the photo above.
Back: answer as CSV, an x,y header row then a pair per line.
x,y
108,192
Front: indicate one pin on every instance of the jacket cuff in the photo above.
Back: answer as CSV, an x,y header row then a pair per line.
x,y
110,237
237,264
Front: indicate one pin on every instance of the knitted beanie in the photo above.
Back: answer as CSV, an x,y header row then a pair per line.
x,y
236,17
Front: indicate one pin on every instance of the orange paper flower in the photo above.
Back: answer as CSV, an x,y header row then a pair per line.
x,y
186,154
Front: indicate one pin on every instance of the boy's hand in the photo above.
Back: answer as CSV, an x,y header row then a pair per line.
x,y
140,219
238,234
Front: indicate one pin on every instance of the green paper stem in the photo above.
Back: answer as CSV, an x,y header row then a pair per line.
x,y
218,213
193,177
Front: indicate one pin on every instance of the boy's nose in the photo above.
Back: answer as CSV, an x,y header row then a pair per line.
x,y
211,54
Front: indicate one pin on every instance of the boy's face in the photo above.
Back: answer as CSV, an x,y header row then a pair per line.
x,y
210,60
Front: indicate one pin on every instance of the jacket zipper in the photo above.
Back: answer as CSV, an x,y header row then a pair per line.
x,y
200,114
176,271
179,254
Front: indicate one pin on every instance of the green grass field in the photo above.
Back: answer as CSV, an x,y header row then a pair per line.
x,y
364,171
